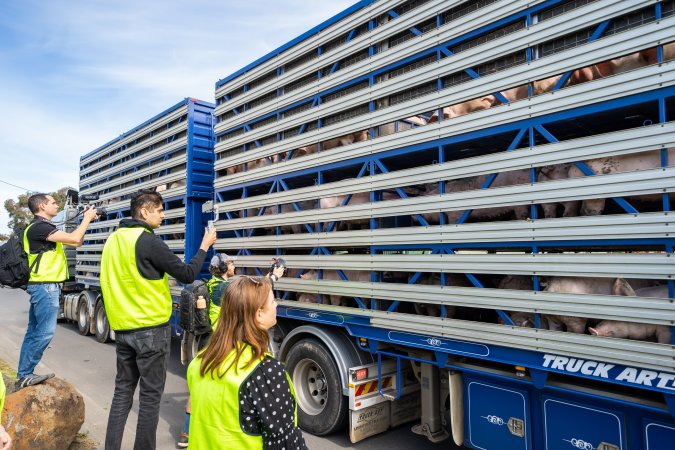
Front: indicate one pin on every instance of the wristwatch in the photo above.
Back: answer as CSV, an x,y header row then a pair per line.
x,y
275,279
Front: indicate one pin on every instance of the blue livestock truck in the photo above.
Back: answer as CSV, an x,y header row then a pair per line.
x,y
472,198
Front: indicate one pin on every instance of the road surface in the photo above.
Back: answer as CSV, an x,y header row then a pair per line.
x,y
90,367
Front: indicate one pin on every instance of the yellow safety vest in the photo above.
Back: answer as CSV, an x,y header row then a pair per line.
x,y
131,300
2,396
52,266
214,420
214,304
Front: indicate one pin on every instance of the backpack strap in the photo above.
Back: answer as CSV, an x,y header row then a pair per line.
x,y
36,263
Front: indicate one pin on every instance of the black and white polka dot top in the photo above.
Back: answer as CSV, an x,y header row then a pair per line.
x,y
267,407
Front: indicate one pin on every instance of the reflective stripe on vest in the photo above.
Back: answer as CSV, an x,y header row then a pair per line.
x,y
131,300
214,420
52,266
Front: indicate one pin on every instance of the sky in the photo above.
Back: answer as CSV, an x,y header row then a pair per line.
x,y
75,74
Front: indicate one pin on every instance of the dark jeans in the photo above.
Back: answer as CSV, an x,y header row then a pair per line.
x,y
141,355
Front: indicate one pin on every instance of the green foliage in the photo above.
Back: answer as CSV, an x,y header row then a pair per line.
x,y
19,214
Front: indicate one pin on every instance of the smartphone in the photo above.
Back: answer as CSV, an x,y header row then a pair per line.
x,y
210,226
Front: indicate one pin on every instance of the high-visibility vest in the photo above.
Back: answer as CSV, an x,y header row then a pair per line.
x,y
214,419
52,266
2,396
131,300
214,306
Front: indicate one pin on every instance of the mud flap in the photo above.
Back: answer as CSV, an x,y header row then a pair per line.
x,y
369,421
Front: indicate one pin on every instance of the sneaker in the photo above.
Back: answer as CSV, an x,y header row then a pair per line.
x,y
32,380
182,440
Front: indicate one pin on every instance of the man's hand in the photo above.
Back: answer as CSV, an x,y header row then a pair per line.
x,y
90,214
208,240
5,440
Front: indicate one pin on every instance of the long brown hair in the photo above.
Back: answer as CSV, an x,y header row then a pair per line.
x,y
236,325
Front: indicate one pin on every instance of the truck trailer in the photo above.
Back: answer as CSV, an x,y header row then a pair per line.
x,y
473,201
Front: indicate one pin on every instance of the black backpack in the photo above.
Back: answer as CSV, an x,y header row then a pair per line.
x,y
14,270
193,320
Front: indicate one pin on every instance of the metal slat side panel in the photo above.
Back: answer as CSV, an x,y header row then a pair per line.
x,y
160,151
619,351
592,147
603,265
158,166
647,310
538,69
642,226
350,22
621,85
173,115
622,184
164,179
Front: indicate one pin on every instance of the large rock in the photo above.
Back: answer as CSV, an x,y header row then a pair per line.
x,y
47,416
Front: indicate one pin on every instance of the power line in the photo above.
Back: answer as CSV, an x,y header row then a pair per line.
x,y
6,182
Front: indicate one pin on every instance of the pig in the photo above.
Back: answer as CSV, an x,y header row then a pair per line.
x,y
625,63
577,77
477,104
557,172
520,318
620,163
341,141
579,285
288,208
358,198
631,330
332,275
434,279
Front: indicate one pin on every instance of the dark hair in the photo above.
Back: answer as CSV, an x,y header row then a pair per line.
x,y
35,200
236,325
144,199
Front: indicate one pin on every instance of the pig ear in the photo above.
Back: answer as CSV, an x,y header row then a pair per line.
x,y
621,287
593,331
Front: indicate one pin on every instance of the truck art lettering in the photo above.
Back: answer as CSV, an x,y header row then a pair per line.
x,y
642,377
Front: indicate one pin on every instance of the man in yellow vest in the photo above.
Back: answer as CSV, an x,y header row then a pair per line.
x,y
43,243
134,281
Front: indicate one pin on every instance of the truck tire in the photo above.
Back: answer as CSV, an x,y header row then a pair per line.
x,y
101,325
83,320
322,409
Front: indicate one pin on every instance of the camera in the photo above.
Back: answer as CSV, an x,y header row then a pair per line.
x,y
100,210
277,262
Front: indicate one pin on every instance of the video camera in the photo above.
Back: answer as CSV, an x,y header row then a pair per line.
x,y
85,201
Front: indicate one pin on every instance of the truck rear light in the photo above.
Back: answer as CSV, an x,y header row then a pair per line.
x,y
360,374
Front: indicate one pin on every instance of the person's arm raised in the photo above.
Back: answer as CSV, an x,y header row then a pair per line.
x,y
75,237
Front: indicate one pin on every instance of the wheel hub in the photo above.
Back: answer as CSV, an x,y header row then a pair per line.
x,y
311,386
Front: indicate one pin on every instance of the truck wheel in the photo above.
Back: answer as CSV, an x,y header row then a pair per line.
x,y
322,409
101,325
83,321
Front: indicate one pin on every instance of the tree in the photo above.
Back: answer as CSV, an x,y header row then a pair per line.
x,y
19,214
3,237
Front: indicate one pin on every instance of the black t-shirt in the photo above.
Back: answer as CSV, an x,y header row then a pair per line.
x,y
38,233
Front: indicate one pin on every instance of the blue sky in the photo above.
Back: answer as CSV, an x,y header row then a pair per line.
x,y
75,74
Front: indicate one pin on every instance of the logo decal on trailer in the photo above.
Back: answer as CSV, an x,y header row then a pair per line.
x,y
433,342
313,315
579,443
494,420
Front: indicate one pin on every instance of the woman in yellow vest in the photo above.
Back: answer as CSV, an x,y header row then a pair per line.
x,y
5,440
242,397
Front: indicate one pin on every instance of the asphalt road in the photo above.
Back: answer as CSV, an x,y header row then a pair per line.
x,y
90,367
